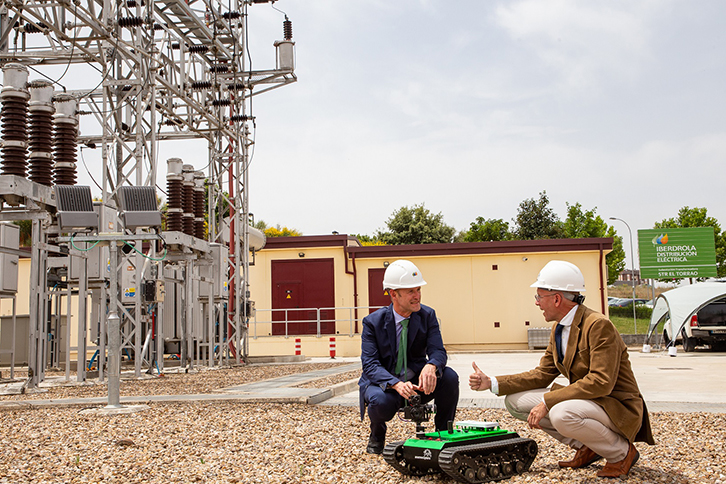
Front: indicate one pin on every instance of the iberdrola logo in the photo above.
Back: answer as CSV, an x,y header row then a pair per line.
x,y
660,239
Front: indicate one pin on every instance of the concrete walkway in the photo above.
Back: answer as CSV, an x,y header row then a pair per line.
x,y
689,382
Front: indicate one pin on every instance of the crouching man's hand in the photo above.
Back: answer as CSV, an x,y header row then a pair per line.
x,y
478,380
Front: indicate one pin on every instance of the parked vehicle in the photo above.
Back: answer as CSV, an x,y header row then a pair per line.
x,y
706,327
693,315
624,302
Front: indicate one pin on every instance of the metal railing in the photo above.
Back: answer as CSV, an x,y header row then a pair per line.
x,y
343,317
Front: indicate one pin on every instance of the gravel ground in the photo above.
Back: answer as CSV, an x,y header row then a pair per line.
x,y
271,443
276,443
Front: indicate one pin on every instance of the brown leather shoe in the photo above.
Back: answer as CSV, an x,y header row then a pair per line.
x,y
583,458
621,468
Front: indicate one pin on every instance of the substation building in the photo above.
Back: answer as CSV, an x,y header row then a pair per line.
x,y
312,292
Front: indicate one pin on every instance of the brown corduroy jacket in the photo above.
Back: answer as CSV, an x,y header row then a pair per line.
x,y
597,365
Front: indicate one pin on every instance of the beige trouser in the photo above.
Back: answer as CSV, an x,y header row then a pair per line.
x,y
574,423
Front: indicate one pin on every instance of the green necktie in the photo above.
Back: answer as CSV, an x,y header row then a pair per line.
x,y
402,362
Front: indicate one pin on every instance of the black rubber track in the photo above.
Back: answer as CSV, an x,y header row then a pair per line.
x,y
487,462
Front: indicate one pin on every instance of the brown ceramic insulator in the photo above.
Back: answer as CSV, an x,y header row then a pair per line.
x,y
65,139
40,144
188,223
174,220
175,192
64,173
14,117
188,207
199,213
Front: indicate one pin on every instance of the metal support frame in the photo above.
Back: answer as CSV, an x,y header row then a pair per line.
x,y
165,72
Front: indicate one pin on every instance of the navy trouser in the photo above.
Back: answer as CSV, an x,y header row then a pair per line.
x,y
383,405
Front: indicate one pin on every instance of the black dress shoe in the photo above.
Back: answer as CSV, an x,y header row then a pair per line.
x,y
375,446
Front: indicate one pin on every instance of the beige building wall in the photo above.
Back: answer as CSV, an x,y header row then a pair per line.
x,y
483,301
23,298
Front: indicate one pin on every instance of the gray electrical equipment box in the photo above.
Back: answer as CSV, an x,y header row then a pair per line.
x,y
10,238
127,278
99,267
216,272
139,207
75,208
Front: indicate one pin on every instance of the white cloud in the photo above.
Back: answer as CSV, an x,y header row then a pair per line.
x,y
584,43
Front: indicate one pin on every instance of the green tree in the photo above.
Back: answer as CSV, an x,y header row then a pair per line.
x,y
698,217
579,225
489,230
276,231
536,220
367,240
416,225
26,232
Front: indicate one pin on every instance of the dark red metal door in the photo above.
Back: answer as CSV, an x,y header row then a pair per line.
x,y
307,285
376,295
287,296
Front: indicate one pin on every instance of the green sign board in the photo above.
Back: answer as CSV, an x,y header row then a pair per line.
x,y
676,253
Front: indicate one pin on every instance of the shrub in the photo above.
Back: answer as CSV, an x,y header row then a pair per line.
x,y
641,312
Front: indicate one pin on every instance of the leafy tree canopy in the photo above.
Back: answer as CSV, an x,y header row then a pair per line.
x,y
583,224
536,220
276,231
698,217
416,225
367,240
25,233
489,230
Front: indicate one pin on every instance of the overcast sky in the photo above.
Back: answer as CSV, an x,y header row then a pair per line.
x,y
472,106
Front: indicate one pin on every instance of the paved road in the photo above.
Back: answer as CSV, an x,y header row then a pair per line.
x,y
685,383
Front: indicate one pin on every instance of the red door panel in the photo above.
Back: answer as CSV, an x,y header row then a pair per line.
x,y
376,295
306,284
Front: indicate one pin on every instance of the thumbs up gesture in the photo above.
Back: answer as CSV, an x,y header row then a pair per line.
x,y
478,380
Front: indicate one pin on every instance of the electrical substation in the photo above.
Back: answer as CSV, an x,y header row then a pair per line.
x,y
151,285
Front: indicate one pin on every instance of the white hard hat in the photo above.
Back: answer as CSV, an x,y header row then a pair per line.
x,y
559,275
402,274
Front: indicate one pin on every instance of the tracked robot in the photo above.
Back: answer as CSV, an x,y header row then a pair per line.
x,y
470,452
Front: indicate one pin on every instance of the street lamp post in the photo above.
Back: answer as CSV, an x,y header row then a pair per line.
x,y
632,275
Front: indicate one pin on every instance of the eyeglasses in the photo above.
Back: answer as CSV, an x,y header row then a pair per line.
x,y
537,297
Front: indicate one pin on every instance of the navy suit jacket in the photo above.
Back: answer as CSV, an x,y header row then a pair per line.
x,y
379,353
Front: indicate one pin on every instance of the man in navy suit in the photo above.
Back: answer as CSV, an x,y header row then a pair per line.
x,y
392,372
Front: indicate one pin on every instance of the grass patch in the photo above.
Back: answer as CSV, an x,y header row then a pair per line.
x,y
625,325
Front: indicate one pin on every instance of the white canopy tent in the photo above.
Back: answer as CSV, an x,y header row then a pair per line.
x,y
676,306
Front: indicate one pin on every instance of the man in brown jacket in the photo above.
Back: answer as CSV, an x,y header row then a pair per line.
x,y
601,412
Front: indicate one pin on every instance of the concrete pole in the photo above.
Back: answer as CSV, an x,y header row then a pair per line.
x,y
113,324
